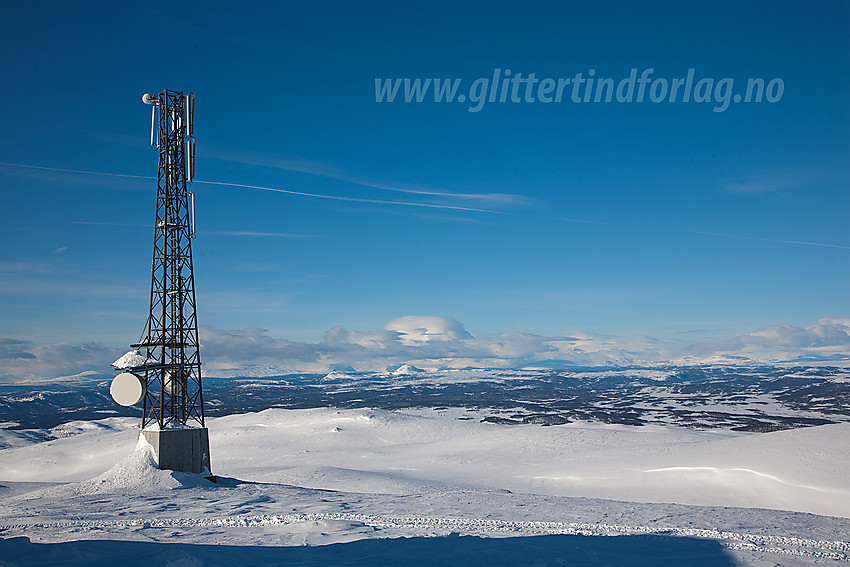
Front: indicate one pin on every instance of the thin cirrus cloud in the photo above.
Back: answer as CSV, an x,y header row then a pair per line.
x,y
350,199
320,169
106,223
258,234
78,171
799,242
266,188
329,171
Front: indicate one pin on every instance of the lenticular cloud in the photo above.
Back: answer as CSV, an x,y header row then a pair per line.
x,y
417,329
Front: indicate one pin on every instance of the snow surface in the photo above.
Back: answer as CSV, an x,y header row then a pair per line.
x,y
130,360
328,476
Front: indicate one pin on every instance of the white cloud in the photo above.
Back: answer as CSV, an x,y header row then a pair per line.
x,y
251,344
418,329
828,339
20,360
430,342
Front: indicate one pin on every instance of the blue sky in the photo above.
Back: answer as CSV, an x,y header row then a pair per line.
x,y
664,220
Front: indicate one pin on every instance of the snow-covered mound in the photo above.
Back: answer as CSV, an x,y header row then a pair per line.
x,y
406,369
337,376
137,472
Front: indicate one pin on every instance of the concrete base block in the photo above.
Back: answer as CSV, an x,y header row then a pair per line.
x,y
184,450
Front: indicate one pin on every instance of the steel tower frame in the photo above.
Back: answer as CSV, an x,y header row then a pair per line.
x,y
172,371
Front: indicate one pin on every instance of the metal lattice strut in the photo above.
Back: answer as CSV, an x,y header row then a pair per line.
x,y
172,373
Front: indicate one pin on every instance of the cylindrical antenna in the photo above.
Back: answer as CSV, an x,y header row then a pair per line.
x,y
148,98
154,141
190,114
190,159
192,211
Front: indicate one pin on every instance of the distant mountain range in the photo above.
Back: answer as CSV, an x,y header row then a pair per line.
x,y
760,398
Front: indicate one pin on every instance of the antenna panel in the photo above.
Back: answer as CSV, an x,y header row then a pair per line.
x,y
190,114
154,141
192,209
190,159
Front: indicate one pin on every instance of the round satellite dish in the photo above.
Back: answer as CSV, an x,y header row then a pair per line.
x,y
126,389
148,98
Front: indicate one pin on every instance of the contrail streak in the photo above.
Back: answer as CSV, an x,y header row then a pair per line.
x,y
76,171
261,188
772,240
351,199
252,233
395,203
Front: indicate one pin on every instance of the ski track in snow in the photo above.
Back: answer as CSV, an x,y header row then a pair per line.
x,y
781,545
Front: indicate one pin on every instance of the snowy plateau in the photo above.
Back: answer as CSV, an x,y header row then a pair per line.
x,y
678,466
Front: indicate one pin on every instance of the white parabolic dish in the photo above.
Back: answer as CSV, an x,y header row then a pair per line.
x,y
126,389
